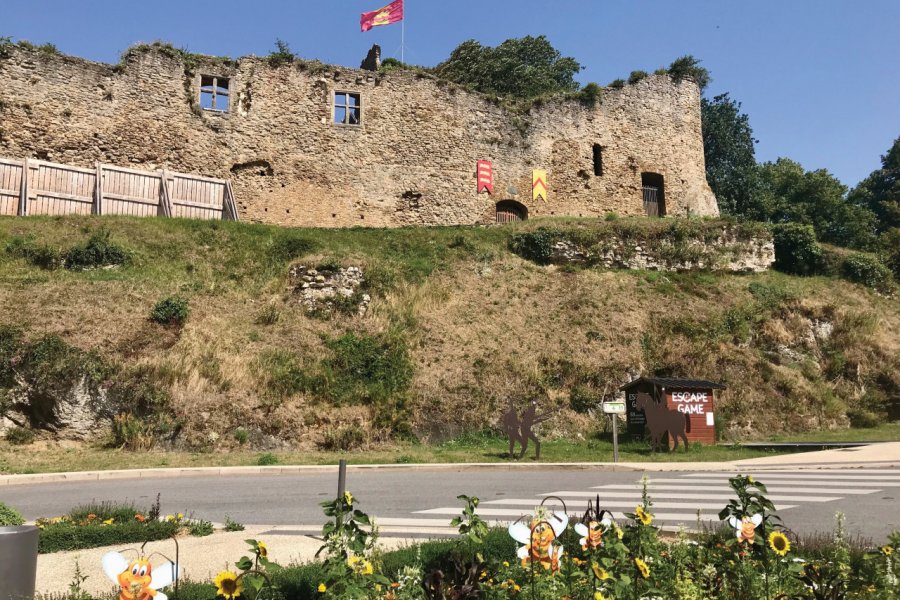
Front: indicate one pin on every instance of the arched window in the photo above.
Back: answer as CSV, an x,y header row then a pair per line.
x,y
510,210
654,194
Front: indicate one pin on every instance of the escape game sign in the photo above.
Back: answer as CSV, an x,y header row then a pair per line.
x,y
691,403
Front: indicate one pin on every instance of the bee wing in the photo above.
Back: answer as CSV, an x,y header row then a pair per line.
x,y
160,596
559,521
163,575
756,519
113,564
581,529
522,552
520,532
735,522
607,521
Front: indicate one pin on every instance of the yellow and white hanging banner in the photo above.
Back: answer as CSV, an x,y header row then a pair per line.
x,y
539,184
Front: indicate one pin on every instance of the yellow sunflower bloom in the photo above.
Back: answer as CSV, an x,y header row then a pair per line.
x,y
779,543
348,498
599,572
360,565
322,587
642,567
887,550
262,550
599,596
228,585
642,515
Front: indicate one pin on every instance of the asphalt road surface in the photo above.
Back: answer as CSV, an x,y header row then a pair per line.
x,y
807,500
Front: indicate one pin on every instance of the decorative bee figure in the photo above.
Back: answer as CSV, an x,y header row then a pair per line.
x,y
745,527
138,579
538,535
592,526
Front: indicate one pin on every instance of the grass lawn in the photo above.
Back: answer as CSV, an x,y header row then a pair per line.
x,y
887,432
470,448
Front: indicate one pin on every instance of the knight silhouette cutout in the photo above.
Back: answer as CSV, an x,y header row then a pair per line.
x,y
519,429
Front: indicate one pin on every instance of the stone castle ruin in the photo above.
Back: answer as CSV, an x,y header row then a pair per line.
x,y
307,144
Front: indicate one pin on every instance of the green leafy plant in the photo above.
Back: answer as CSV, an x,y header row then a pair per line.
x,y
869,271
200,527
19,436
282,55
232,525
796,249
10,516
267,459
173,310
98,251
637,77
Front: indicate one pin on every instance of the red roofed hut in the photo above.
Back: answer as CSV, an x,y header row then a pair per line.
x,y
693,397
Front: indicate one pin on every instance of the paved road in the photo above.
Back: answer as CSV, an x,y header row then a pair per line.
x,y
807,500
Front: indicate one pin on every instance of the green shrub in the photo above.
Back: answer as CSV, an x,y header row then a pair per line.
x,y
71,536
232,525
173,310
119,512
535,245
19,436
796,249
41,256
869,271
282,55
343,438
267,459
590,94
617,84
890,250
268,315
201,528
688,67
287,247
637,77
98,251
241,436
10,516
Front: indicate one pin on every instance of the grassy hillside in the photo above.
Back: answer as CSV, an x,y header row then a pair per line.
x,y
458,325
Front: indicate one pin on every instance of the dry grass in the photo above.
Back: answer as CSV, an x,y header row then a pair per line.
x,y
482,327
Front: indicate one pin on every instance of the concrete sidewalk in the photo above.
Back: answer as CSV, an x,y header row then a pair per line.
x,y
202,558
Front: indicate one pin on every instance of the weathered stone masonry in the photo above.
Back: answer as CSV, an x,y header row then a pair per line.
x,y
411,161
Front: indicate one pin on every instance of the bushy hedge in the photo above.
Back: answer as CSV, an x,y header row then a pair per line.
x,y
173,310
71,536
869,271
97,252
796,249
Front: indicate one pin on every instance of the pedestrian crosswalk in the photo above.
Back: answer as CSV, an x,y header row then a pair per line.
x,y
684,499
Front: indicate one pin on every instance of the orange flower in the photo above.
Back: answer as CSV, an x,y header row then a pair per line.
x,y
92,516
140,518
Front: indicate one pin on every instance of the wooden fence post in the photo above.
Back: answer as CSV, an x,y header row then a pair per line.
x,y
230,203
98,191
23,191
165,199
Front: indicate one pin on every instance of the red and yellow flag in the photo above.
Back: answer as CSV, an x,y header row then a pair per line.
x,y
539,185
392,13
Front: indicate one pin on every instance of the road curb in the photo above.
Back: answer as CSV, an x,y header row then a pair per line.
x,y
178,472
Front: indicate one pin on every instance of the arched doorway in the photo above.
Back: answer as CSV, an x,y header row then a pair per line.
x,y
654,194
510,210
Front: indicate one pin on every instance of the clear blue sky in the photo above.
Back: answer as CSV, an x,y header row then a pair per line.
x,y
820,79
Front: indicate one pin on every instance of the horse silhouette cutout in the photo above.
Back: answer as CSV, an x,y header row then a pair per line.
x,y
519,429
662,420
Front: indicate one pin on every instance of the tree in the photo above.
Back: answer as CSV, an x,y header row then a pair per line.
x,y
880,191
522,68
790,194
728,147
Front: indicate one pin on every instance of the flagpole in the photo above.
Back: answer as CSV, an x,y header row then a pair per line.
x,y
403,35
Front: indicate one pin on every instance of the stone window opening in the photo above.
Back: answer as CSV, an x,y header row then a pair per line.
x,y
347,108
654,193
214,93
598,160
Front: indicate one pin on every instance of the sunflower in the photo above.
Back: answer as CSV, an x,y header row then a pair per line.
x,y
322,587
227,585
359,565
642,515
779,543
262,550
887,550
599,572
599,596
642,567
348,498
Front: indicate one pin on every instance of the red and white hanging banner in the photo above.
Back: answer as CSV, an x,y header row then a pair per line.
x,y
485,176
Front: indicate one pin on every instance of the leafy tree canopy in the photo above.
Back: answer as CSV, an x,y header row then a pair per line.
x,y
523,68
789,193
880,191
728,147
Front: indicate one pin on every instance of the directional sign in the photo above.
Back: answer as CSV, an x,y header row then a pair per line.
x,y
614,408
539,184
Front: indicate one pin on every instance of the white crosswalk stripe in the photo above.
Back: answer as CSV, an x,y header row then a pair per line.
x,y
680,499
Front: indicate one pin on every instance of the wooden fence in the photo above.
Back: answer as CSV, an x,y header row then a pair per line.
x,y
37,187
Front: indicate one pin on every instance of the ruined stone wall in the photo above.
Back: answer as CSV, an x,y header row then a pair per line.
x,y
411,161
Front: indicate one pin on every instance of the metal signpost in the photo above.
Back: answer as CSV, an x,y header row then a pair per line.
x,y
613,409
